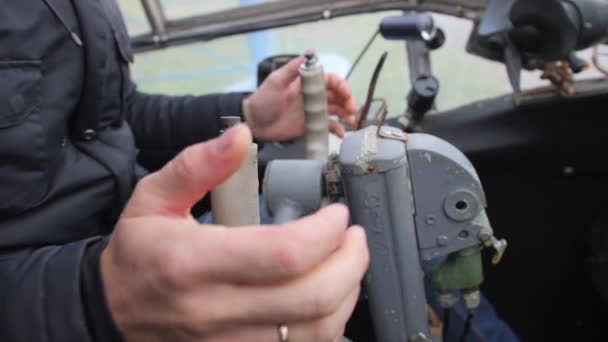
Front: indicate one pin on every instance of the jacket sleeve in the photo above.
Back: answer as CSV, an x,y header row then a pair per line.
x,y
43,298
166,124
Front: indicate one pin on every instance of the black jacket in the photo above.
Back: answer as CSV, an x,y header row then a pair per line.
x,y
71,126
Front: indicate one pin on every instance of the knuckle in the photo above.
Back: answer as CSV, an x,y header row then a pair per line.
x,y
324,303
173,269
287,258
184,166
194,321
206,319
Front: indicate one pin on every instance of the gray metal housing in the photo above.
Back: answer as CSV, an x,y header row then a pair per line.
x,y
450,201
375,174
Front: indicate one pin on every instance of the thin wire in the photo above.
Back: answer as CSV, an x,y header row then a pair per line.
x,y
364,112
381,112
367,46
467,326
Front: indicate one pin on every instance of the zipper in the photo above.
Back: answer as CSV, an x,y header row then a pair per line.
x,y
73,35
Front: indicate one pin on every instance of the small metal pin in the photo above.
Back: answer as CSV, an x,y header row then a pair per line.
x,y
76,39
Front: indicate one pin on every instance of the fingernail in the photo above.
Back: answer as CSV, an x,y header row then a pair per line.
x,y
227,139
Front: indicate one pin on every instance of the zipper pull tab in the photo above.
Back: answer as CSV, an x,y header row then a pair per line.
x,y
76,39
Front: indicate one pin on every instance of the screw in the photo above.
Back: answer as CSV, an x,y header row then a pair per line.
x,y
311,57
472,299
447,300
430,220
463,234
443,240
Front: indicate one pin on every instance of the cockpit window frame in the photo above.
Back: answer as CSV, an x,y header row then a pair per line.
x,y
166,32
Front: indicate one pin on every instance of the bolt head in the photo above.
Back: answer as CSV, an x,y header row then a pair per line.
x,y
472,300
443,240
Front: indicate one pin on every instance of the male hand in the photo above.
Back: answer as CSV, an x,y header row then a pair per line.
x,y
276,111
168,278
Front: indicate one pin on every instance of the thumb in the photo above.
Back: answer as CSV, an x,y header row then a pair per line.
x,y
288,73
186,179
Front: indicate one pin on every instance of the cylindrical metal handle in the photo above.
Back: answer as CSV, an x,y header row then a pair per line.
x,y
315,107
236,201
408,27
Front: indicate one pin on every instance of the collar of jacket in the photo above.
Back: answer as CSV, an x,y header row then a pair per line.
x,y
75,37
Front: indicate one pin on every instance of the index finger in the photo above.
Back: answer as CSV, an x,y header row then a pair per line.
x,y
341,90
288,73
270,254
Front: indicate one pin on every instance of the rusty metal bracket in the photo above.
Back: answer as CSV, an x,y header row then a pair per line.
x,y
390,132
561,76
363,113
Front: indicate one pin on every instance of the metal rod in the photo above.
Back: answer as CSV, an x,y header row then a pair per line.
x,y
275,14
363,115
287,213
236,202
156,16
419,60
363,52
380,202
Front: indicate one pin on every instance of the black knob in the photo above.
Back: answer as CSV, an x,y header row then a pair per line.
x,y
408,27
437,41
422,96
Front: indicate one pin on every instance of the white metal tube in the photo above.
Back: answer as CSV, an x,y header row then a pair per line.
x,y
236,201
315,107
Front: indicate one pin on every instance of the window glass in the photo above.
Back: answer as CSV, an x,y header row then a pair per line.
x,y
464,77
134,15
230,64
218,66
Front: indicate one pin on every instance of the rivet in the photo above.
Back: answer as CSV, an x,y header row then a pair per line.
x,y
89,134
443,240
